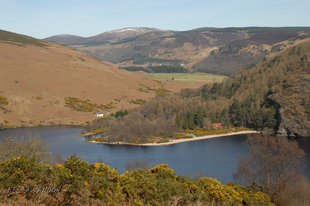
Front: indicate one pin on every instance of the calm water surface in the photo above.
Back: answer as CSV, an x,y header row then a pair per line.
x,y
215,157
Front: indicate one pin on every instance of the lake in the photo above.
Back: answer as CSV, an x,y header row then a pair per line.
x,y
216,157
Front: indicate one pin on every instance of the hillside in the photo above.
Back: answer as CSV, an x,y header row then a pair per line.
x,y
248,52
209,50
45,83
272,97
283,82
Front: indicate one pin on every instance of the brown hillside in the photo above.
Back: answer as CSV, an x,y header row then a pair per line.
x,y
273,37
35,80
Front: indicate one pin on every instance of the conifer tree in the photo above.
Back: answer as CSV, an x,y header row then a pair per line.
x,y
199,117
205,95
271,122
185,125
259,120
190,120
234,111
240,116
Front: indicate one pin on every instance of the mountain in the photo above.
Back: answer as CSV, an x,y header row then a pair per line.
x,y
106,37
207,49
65,39
42,82
248,52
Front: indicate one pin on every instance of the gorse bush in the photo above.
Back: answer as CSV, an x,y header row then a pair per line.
x,y
77,182
85,106
3,100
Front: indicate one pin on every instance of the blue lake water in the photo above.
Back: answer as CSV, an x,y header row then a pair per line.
x,y
216,157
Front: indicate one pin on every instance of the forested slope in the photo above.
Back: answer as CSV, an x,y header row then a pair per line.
x,y
269,96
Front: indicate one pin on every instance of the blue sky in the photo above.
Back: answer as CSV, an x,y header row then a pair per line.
x,y
45,18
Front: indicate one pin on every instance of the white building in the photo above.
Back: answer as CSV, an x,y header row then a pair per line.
x,y
99,114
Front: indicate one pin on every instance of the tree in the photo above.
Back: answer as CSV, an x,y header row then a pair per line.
x,y
137,164
179,121
207,124
215,87
34,146
189,121
271,121
259,120
273,163
224,114
236,113
213,118
224,118
205,95
199,117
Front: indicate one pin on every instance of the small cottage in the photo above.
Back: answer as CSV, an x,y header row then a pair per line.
x,y
99,114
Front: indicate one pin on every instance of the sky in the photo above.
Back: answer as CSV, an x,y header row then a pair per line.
x,y
45,18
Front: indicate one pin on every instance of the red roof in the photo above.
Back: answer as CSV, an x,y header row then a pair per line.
x,y
217,125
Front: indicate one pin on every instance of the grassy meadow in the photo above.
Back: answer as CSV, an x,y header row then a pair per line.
x,y
185,78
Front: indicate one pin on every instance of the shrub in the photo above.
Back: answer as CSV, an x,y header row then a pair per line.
x,y
79,182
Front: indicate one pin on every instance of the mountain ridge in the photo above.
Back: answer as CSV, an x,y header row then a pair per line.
x,y
194,47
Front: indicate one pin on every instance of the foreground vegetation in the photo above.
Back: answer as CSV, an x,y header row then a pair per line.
x,y
272,166
23,180
29,175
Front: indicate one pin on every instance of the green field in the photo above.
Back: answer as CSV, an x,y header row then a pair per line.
x,y
183,77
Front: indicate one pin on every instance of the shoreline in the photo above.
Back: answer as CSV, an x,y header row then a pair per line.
x,y
177,141
43,125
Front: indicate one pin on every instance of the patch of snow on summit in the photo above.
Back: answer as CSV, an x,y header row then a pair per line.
x,y
133,29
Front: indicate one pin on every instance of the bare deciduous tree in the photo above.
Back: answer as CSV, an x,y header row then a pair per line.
x,y
137,164
272,163
34,146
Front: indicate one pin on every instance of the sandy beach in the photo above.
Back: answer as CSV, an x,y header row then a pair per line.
x,y
176,141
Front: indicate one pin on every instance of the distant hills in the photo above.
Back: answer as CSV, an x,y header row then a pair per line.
x,y
107,37
209,50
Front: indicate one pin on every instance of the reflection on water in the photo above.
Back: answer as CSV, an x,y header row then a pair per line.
x,y
216,157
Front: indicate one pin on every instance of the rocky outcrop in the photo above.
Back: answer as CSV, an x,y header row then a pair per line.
x,y
293,107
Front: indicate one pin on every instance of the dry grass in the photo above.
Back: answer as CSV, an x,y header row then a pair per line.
x,y
56,72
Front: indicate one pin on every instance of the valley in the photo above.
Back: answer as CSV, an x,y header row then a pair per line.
x,y
37,75
133,103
